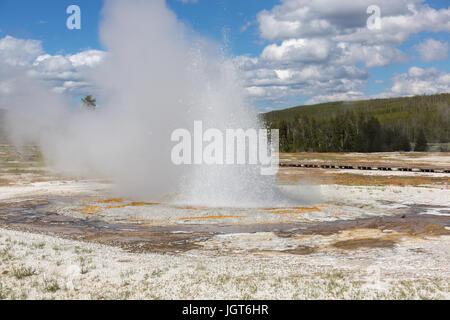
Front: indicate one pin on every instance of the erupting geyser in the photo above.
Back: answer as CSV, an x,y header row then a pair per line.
x,y
157,76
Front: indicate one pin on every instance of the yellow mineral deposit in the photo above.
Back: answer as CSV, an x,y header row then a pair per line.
x,y
295,209
193,208
138,204
91,209
95,209
111,201
210,217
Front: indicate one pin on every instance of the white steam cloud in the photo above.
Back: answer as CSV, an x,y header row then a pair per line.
x,y
156,77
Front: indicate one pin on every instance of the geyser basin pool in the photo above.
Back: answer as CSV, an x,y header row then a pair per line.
x,y
167,228
123,211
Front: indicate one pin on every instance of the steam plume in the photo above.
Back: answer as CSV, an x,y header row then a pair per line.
x,y
157,76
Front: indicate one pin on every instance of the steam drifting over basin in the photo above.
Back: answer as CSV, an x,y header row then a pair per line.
x,y
156,77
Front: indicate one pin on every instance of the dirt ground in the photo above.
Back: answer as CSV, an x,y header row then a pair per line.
x,y
364,235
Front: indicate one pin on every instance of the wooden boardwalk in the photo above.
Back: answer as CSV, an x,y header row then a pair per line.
x,y
364,166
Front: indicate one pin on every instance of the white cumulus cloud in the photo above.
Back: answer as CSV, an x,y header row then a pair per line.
x,y
18,51
323,49
432,50
419,81
62,73
305,50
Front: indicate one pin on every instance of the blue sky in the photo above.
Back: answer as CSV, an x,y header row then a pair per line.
x,y
46,20
238,27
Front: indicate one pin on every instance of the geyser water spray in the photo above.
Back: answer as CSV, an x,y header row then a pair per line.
x,y
157,76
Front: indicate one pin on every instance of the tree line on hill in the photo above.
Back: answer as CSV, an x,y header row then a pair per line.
x,y
381,125
349,132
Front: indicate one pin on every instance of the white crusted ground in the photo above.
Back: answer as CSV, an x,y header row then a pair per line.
x,y
43,267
